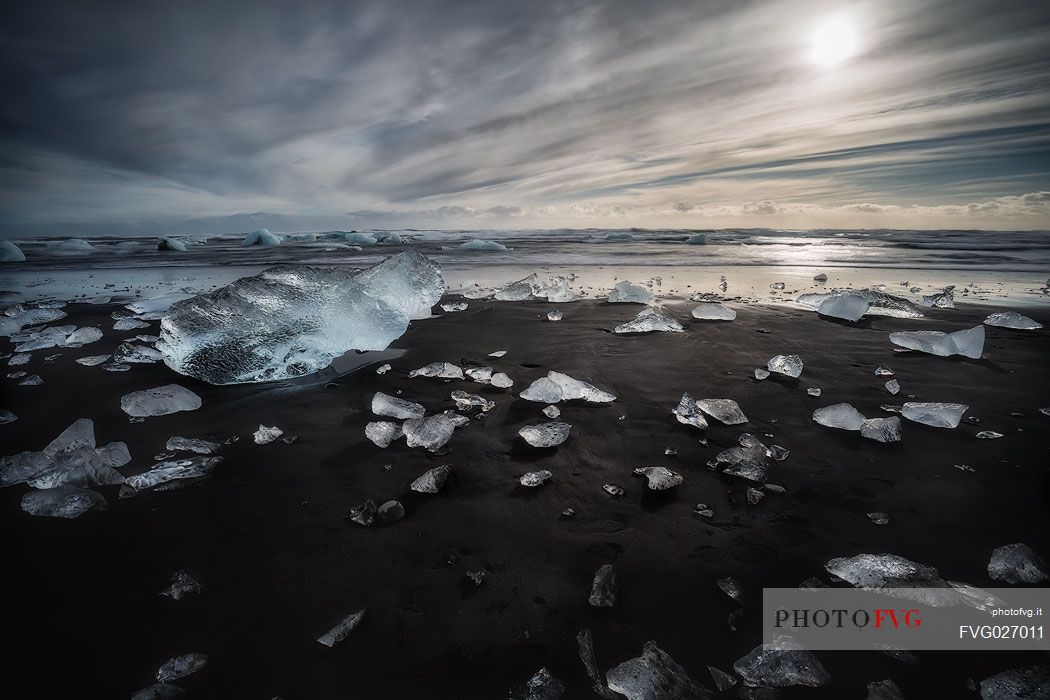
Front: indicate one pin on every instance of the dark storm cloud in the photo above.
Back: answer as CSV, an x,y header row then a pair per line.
x,y
134,114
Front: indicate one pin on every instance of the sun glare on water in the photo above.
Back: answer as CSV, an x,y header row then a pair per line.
x,y
834,42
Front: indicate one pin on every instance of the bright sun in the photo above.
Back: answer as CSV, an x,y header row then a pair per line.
x,y
834,41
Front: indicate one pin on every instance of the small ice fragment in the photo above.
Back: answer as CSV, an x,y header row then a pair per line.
x,y
129,324
545,434
813,391
19,358
613,489
542,686
7,417
498,353
893,386
342,629
671,451
964,467
660,478
688,412
159,401
432,480
390,512
879,518
203,447
626,293
182,584
181,666
761,374
557,387
432,432
882,429
724,410
702,509
1012,319
1026,683
382,433
92,360
383,369
789,365
653,675
83,336
131,353
159,691
968,343
777,285
534,479
754,496
1017,563
265,435
174,470
482,375
585,644
31,380
443,370
938,415
849,307
945,299
80,433
731,587
455,306
480,244
989,435
552,412
884,690
62,502
883,371
723,681
477,577
841,415
465,401
884,571
822,277
552,288
501,381
385,405
364,514
649,321
603,589
555,315
262,237
778,453
779,664
713,311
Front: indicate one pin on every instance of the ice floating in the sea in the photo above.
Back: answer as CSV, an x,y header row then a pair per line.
x,y
882,429
893,386
385,405
626,293
181,666
432,480
652,676
442,370
938,415
780,664
883,371
182,585
555,315
9,252
260,237
294,320
167,243
552,412
989,435
480,244
713,311
884,571
552,288
265,435
788,365
945,299
1026,683
1012,319
129,324
688,412
542,686
556,387
698,239
62,502
882,304
545,434
159,691
660,478
173,470
761,373
1017,563
159,401
841,415
92,360
814,391
534,479
649,321
455,306
603,588
968,343
432,432
849,307
724,410
382,433
342,629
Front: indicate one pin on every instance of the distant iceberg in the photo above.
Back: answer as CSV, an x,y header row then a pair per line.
x,y
9,252
358,238
168,243
260,237
619,236
698,239
293,320
480,244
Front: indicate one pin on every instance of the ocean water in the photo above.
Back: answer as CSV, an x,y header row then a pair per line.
x,y
1006,267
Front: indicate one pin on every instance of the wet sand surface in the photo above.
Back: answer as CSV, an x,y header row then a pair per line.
x,y
268,539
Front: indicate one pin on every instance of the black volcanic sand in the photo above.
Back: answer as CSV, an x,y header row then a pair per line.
x,y
280,564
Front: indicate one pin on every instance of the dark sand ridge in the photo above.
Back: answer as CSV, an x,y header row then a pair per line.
x,y
280,564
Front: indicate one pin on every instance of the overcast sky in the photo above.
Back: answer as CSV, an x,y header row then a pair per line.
x,y
184,116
